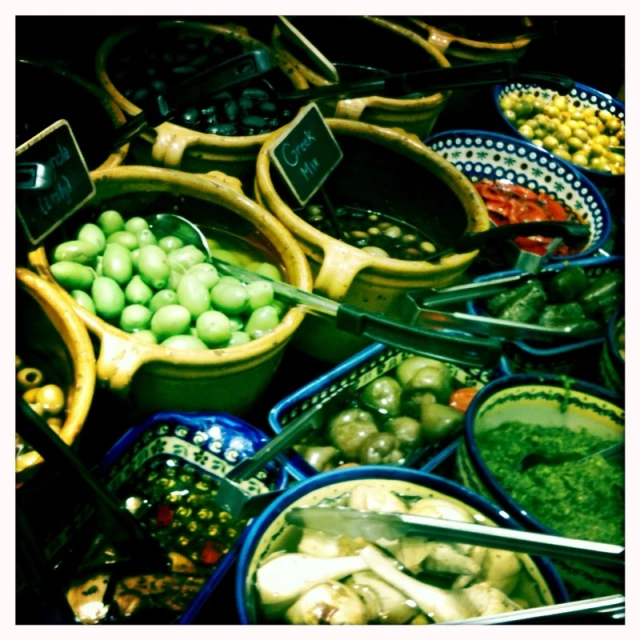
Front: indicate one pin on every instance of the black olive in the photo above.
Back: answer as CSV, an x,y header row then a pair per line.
x,y
268,107
255,94
208,111
184,71
286,113
273,123
168,57
213,120
249,131
253,121
140,94
225,95
222,130
200,60
159,86
231,110
190,116
245,103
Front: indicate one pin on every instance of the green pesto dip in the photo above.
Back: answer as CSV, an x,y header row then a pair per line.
x,y
577,499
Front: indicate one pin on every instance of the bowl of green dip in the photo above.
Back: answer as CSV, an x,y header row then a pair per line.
x,y
552,422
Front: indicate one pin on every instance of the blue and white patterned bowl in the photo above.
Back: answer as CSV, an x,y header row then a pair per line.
x,y
586,95
481,154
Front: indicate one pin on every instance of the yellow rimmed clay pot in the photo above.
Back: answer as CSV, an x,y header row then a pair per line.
x,y
468,50
416,115
176,147
54,340
91,113
388,171
156,378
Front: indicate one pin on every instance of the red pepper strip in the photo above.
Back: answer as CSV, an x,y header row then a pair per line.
x,y
461,399
209,555
537,244
502,207
164,516
499,220
555,209
515,191
526,211
488,192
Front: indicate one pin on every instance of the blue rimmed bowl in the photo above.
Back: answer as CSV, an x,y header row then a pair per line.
x,y
587,96
547,401
359,370
568,358
269,532
209,446
481,154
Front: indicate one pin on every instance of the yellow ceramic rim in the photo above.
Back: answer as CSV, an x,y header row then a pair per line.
x,y
80,349
208,190
231,143
398,141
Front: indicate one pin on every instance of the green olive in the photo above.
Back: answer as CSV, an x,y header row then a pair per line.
x,y
229,298
110,222
598,163
84,300
579,159
214,328
153,267
563,133
510,115
170,243
260,294
506,103
526,131
562,154
575,143
75,251
206,273
581,134
238,338
108,298
71,275
125,238
382,396
51,397
184,258
604,115
539,105
523,108
560,102
537,143
190,343
552,111
592,130
539,133
93,234
136,225
116,264
135,317
614,124
265,269
146,336
550,142
193,295
262,321
146,237
137,291
170,320
439,421
162,299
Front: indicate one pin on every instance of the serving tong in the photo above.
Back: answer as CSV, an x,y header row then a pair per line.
x,y
423,307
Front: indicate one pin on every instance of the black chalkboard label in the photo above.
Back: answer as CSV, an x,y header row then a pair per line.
x,y
306,153
51,162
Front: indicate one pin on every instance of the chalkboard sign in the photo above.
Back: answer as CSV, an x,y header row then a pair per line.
x,y
52,181
306,153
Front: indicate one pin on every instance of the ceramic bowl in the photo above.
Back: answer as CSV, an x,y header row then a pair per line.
x,y
550,401
588,96
265,534
357,372
526,357
612,363
208,444
480,154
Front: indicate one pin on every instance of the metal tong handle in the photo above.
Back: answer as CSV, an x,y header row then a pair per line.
x,y
123,530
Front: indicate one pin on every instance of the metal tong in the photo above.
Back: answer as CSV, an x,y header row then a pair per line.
x,y
423,306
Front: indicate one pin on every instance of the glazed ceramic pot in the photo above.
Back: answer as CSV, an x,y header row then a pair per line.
x,y
177,147
184,455
540,584
382,170
355,373
570,358
469,50
379,43
492,156
91,113
156,378
546,401
612,363
55,341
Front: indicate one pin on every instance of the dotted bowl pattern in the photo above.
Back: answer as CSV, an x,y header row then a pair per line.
x,y
586,96
479,154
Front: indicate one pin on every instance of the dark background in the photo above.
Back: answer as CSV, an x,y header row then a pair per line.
x,y
590,49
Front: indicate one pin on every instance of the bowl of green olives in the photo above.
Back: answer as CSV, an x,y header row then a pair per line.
x,y
174,334
585,127
398,410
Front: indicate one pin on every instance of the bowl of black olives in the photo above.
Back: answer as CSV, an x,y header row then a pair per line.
x,y
219,132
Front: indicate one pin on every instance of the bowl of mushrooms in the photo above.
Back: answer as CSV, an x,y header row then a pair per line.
x,y
294,575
